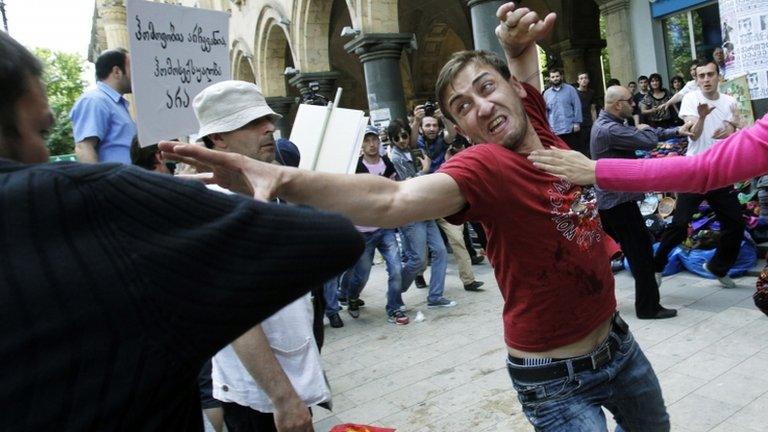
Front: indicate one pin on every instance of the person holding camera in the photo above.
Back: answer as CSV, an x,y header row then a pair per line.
x,y
434,142
417,236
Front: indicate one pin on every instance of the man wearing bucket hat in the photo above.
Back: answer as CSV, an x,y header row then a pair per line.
x,y
619,213
270,375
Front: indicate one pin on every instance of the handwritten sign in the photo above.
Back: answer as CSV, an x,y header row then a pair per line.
x,y
745,43
175,52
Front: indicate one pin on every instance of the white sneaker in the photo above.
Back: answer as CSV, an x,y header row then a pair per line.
x,y
725,281
659,279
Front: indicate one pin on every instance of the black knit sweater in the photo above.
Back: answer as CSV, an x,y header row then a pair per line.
x,y
116,284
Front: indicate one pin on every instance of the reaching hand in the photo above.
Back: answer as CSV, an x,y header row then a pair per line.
x,y
426,163
565,164
704,109
521,28
231,171
418,114
686,129
724,131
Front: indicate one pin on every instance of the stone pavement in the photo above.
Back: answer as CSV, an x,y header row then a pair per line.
x,y
447,373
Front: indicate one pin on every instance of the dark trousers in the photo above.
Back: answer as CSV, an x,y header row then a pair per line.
x,y
584,135
727,210
572,139
239,418
468,242
626,225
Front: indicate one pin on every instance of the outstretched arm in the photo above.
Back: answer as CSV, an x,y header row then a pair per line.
x,y
518,32
366,199
741,156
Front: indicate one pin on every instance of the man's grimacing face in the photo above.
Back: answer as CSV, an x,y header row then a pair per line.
x,y
487,108
255,140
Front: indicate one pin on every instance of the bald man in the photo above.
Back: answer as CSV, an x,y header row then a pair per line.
x,y
621,217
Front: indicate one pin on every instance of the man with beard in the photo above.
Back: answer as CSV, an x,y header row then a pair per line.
x,y
563,109
568,350
101,122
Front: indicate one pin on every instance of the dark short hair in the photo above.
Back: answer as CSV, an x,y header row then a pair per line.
x,y
613,82
642,77
553,70
457,63
582,73
108,60
394,128
17,67
677,78
628,84
705,62
143,157
655,76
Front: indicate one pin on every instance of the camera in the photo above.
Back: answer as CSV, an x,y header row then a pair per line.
x,y
311,97
429,108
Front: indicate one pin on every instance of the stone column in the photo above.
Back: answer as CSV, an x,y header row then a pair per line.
x,y
326,80
618,33
115,25
484,23
282,105
380,55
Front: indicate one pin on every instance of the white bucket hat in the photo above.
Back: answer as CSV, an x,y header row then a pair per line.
x,y
230,105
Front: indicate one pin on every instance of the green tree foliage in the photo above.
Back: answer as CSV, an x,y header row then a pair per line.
x,y
63,80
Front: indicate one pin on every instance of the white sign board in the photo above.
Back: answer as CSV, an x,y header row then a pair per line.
x,y
343,138
745,42
175,52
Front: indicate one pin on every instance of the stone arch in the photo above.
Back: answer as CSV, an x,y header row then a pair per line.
x,y
313,18
272,42
351,78
242,62
435,48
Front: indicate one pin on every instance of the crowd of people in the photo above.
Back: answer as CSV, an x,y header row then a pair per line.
x,y
140,298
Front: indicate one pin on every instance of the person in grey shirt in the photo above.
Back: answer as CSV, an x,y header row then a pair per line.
x,y
619,213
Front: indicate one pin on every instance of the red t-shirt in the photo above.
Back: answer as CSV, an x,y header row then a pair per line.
x,y
546,244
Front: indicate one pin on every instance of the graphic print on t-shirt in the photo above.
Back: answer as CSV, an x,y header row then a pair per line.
x,y
574,212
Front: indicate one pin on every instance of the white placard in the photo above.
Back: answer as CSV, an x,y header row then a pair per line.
x,y
176,52
343,139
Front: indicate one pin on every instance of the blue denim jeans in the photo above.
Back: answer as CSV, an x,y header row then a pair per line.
x,y
626,386
331,296
417,237
384,240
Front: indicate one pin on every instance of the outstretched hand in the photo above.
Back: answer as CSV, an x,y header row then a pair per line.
x,y
231,171
520,28
565,164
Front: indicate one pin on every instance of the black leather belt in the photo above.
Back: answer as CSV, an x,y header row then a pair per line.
x,y
559,367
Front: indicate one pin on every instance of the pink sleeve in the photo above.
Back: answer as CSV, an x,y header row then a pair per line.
x,y
741,156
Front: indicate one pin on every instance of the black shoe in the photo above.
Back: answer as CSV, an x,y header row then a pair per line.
x,y
477,259
336,321
354,307
617,265
474,286
662,313
420,282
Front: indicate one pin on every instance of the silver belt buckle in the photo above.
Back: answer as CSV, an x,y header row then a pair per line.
x,y
601,357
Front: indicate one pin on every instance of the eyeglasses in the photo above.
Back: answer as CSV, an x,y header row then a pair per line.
x,y
403,136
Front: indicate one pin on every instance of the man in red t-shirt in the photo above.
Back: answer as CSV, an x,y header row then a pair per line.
x,y
569,352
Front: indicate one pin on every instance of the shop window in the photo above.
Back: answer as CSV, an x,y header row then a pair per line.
x,y
688,35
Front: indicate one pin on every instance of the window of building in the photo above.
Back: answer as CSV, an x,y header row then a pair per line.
x,y
690,34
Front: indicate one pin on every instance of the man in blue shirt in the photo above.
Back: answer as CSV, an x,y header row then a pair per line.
x,y
563,109
101,122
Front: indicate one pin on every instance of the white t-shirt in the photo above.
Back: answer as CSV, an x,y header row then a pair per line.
x,y
724,107
689,87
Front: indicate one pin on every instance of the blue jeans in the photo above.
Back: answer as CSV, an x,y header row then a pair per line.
x,y
626,386
417,237
384,240
331,295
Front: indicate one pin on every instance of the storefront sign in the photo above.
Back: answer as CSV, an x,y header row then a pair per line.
x,y
176,52
745,42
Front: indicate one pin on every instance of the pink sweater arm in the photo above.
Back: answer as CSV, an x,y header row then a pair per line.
x,y
741,156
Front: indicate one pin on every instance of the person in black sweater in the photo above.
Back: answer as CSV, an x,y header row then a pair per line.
x,y
116,284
